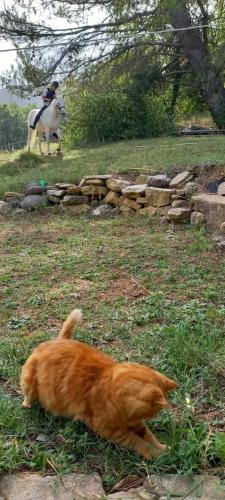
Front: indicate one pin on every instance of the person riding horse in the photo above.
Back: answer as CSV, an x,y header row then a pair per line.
x,y
47,97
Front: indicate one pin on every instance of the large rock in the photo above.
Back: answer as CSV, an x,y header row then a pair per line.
x,y
179,214
34,487
221,189
34,189
191,188
13,201
142,200
163,211
13,194
126,211
94,182
134,191
74,200
181,179
131,203
77,209
112,198
197,219
160,181
141,179
159,197
5,208
103,210
212,206
117,185
33,201
94,190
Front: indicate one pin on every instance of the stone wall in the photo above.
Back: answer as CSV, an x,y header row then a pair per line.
x,y
177,200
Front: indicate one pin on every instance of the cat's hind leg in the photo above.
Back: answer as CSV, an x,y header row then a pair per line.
x,y
28,382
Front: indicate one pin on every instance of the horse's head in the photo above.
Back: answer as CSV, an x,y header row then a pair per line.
x,y
60,105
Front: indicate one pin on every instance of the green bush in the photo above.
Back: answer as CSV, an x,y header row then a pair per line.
x,y
113,116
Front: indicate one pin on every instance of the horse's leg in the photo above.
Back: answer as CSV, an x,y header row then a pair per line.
x,y
47,135
39,143
59,144
29,138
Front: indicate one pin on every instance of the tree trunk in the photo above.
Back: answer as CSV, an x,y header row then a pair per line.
x,y
192,47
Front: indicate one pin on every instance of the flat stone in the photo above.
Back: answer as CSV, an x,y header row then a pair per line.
x,y
65,185
91,177
159,197
179,203
221,189
33,201
142,200
103,210
180,179
149,211
179,214
112,198
134,191
197,219
34,189
212,206
94,182
178,197
94,190
77,209
54,199
73,190
180,192
58,193
133,494
13,194
117,185
35,487
5,208
160,181
203,486
141,179
131,203
74,200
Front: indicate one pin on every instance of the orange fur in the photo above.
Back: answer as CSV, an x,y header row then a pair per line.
x,y
72,379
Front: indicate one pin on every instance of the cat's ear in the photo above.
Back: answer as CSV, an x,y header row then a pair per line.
x,y
159,399
169,384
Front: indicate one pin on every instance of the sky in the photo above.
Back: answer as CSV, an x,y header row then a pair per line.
x,y
9,58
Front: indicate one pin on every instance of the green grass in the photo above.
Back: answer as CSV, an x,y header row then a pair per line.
x,y
153,155
149,294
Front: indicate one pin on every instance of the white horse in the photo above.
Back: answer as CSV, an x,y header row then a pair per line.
x,y
47,123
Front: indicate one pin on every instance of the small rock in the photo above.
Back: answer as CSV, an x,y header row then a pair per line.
x,y
163,211
141,179
222,228
58,193
180,192
179,214
13,201
74,200
160,181
103,210
20,212
112,198
178,203
191,188
134,191
221,189
177,197
94,190
142,200
34,189
117,185
197,218
131,203
150,211
77,209
73,190
33,201
181,179
159,197
54,199
126,211
5,208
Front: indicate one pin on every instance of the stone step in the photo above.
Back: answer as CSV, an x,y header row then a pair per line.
x,y
212,206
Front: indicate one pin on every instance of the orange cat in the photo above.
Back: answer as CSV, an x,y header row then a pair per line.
x,y
74,380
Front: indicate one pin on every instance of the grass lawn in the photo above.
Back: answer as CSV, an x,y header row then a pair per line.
x,y
151,155
149,294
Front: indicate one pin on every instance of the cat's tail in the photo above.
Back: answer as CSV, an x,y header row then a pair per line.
x,y
73,319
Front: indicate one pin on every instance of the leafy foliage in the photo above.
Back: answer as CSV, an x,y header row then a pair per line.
x,y
13,129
